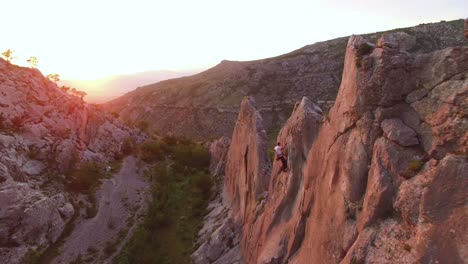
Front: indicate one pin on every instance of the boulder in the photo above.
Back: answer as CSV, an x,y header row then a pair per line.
x,y
396,131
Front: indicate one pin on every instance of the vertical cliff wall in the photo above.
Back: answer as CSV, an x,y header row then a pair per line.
x,y
380,179
375,169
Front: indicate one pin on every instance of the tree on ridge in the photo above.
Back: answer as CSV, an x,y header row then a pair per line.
x,y
32,61
8,55
55,77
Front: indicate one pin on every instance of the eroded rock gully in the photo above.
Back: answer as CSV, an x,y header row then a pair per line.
x,y
380,179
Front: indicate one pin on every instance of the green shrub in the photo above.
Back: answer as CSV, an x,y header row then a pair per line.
x,y
143,126
110,247
203,182
181,189
415,165
2,122
32,257
128,146
193,155
33,152
86,177
151,151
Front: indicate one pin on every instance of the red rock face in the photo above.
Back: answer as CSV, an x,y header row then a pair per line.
x,y
381,180
368,152
248,165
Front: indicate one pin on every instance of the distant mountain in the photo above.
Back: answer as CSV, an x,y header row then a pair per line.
x,y
107,88
205,105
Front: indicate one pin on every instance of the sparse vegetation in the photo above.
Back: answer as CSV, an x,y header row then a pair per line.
x,y
128,146
110,247
32,257
407,247
77,260
86,177
17,123
65,88
415,165
33,152
115,114
362,50
32,61
55,77
181,188
2,122
8,55
143,126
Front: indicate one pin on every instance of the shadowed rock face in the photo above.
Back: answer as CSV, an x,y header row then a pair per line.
x,y
43,133
381,180
206,105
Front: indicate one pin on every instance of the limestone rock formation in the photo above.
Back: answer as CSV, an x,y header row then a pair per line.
x,y
44,132
218,240
248,165
380,179
206,105
380,138
218,153
280,226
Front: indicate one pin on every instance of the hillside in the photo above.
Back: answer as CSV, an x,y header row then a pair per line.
x,y
108,88
205,105
53,150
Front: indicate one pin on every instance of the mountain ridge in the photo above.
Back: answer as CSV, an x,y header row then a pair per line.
x,y
276,84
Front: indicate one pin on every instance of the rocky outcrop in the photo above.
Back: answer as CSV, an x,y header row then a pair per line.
x,y
205,106
280,226
218,156
248,165
385,133
218,240
380,179
44,132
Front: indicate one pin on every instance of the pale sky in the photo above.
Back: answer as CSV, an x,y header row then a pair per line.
x,y
85,39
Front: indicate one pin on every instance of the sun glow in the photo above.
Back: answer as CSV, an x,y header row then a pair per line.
x,y
87,39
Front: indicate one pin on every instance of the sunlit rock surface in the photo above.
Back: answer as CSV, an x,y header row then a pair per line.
x,y
43,133
379,179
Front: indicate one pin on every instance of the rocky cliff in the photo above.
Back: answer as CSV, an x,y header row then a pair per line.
x,y
206,105
379,179
44,133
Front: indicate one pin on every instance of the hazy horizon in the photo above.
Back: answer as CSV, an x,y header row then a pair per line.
x,y
106,88
87,40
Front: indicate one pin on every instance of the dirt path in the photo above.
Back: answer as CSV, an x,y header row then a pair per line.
x,y
121,200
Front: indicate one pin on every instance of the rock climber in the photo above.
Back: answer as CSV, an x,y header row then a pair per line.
x,y
280,156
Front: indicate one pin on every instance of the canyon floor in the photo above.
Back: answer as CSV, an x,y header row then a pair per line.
x,y
121,201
